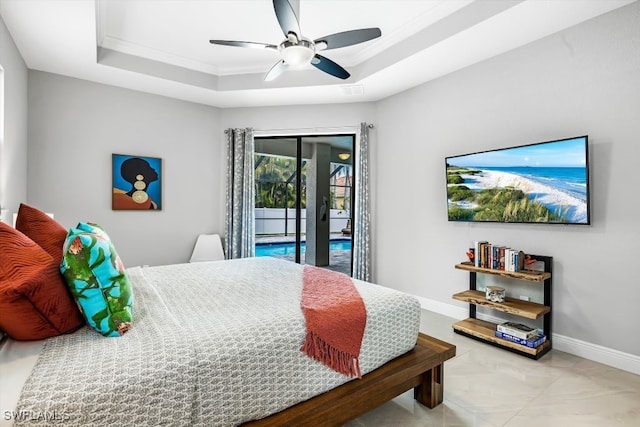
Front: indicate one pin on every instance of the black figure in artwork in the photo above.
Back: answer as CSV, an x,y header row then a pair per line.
x,y
139,174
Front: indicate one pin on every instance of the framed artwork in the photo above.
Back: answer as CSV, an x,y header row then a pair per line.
x,y
137,183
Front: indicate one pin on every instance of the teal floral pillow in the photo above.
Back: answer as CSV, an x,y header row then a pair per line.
x,y
96,277
93,228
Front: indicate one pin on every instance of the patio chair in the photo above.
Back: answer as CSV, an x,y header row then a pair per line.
x,y
347,230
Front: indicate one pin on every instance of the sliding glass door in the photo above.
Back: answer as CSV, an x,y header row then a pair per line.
x,y
280,197
304,199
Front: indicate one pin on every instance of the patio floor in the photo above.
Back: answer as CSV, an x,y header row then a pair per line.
x,y
338,260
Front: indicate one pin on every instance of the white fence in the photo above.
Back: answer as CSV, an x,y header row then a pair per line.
x,y
272,220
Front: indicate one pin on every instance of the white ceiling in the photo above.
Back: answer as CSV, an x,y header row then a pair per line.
x,y
162,46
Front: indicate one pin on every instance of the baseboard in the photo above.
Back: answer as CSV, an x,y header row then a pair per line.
x,y
597,353
445,309
607,356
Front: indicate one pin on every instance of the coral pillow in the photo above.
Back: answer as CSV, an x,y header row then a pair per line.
x,y
34,301
42,229
96,277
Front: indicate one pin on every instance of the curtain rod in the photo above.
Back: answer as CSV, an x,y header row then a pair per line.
x,y
311,131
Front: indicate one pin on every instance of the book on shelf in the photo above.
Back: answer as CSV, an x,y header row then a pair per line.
x,y
478,247
517,330
496,257
533,342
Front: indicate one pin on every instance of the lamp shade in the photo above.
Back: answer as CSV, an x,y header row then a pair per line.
x,y
297,56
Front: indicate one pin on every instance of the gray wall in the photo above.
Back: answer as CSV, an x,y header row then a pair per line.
x,y
75,126
585,80
305,118
13,151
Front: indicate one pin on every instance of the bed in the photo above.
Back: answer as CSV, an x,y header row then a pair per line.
x,y
218,343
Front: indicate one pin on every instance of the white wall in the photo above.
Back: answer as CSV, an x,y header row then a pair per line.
x,y
585,80
75,126
13,149
272,220
305,118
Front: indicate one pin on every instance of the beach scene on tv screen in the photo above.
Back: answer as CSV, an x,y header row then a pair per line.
x,y
544,182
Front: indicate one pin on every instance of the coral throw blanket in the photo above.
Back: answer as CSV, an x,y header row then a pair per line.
x,y
335,317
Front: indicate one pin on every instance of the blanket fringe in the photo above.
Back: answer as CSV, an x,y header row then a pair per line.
x,y
340,361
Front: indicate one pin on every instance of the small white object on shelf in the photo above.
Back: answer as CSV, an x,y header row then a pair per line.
x,y
495,294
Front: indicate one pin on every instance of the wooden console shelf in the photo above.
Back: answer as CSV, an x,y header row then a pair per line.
x,y
529,310
533,276
483,330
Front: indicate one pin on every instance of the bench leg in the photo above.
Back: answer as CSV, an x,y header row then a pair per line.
x,y
430,390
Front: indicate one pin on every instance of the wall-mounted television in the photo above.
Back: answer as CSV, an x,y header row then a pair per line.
x,y
545,182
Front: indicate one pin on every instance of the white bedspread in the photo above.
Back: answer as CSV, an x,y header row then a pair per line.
x,y
213,343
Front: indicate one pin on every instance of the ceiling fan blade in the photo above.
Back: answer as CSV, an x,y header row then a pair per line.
x,y
329,67
348,38
286,17
275,71
244,44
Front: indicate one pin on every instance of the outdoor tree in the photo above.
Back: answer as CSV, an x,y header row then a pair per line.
x,y
275,179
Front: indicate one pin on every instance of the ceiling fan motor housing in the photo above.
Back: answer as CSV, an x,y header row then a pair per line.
x,y
297,54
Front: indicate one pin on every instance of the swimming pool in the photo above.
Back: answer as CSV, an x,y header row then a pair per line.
x,y
289,248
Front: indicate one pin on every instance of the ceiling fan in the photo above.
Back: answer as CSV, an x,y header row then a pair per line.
x,y
297,51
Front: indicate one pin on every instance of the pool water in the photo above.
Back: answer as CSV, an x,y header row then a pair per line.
x,y
284,249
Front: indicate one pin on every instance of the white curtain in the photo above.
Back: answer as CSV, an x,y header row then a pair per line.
x,y
240,216
362,209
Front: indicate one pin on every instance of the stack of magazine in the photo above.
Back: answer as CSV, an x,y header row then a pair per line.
x,y
520,334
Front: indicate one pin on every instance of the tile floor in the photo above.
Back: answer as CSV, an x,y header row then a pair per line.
x,y
485,386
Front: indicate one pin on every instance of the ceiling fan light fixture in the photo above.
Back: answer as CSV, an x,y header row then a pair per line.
x,y
297,55
297,52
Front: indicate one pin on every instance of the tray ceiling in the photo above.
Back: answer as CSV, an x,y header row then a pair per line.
x,y
162,46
